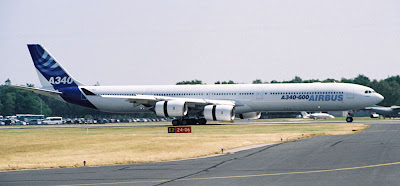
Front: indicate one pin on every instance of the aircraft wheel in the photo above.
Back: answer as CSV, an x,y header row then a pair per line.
x,y
175,122
202,121
349,119
196,122
185,122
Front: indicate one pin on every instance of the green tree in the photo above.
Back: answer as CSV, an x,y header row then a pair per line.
x,y
362,80
257,81
296,79
7,82
18,101
329,80
311,81
394,79
225,82
9,104
344,80
192,82
1,107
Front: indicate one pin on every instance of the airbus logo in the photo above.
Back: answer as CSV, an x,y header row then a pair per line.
x,y
318,97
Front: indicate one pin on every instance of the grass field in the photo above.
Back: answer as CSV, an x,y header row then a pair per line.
x,y
69,147
330,119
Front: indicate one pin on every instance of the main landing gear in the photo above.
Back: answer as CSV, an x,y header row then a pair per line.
x,y
349,117
178,122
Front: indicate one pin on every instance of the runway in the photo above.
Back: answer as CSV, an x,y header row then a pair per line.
x,y
371,157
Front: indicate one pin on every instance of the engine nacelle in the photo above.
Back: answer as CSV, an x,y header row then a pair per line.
x,y
171,108
219,112
250,115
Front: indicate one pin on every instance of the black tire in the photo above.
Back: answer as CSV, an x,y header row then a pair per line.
x,y
175,122
194,122
349,119
202,121
184,122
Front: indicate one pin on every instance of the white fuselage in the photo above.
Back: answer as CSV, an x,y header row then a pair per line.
x,y
247,97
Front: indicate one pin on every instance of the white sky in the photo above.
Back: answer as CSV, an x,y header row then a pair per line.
x,y
163,42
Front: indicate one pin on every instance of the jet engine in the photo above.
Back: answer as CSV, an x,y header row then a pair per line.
x,y
250,115
219,112
171,108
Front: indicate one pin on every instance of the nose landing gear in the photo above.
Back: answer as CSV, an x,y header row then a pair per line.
x,y
349,117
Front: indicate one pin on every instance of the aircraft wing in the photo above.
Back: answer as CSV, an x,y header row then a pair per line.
x,y
150,100
374,107
394,107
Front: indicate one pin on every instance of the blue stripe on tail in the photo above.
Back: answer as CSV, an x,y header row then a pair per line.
x,y
49,68
57,76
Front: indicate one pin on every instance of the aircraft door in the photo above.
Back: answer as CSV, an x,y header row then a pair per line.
x,y
350,93
259,95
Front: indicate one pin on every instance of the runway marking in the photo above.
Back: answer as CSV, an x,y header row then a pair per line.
x,y
245,176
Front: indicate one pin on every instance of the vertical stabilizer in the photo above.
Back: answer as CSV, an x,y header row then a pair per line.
x,y
54,77
304,114
51,74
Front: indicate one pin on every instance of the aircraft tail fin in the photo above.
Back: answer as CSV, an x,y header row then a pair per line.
x,y
304,114
51,74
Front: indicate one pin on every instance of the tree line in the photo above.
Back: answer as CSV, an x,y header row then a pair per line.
x,y
389,87
17,101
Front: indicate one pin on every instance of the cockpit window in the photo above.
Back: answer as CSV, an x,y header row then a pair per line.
x,y
368,92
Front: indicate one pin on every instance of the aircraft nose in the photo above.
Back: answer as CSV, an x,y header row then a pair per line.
x,y
379,97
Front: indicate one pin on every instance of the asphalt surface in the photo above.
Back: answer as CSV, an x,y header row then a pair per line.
x,y
371,157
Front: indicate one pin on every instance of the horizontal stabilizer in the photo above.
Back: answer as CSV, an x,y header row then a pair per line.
x,y
36,89
51,93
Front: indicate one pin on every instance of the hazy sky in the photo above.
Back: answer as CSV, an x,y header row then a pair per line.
x,y
163,42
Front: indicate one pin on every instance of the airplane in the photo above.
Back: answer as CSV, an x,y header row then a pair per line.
x,y
197,104
318,115
391,112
